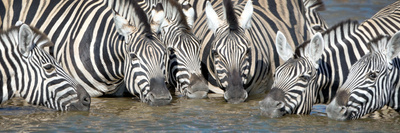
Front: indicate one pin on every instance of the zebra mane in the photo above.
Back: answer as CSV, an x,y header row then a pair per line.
x,y
346,24
129,8
346,28
143,19
230,15
173,11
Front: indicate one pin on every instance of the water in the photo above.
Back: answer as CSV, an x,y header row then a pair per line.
x,y
206,115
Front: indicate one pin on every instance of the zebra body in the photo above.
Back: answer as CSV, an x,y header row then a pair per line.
x,y
99,49
344,44
241,61
28,71
372,83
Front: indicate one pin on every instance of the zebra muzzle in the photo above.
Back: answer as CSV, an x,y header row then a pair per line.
x,y
273,105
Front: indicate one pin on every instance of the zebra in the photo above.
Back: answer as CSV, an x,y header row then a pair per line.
x,y
315,23
237,51
31,73
183,69
183,49
99,47
372,83
344,44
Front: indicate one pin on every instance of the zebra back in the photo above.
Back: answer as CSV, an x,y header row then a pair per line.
x,y
388,18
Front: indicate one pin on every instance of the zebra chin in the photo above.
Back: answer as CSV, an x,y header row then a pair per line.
x,y
273,105
337,112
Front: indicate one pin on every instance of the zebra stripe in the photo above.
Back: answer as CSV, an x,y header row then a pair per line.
x,y
31,73
94,46
344,45
371,82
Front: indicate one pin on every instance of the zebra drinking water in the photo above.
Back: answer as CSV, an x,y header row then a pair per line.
x,y
372,83
237,51
183,48
344,44
101,49
28,71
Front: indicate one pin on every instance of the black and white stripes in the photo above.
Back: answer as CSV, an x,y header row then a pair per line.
x,y
94,46
239,53
31,73
371,83
183,48
344,45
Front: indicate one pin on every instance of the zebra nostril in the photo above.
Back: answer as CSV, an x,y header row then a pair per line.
x,y
86,101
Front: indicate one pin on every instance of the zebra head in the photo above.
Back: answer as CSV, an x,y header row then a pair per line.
x,y
144,64
230,49
315,22
183,47
370,83
290,92
31,73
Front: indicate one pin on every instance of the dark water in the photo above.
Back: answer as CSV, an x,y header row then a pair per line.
x,y
206,115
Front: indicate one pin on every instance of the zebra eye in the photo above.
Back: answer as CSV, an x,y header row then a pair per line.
x,y
372,75
317,28
214,52
49,67
133,56
304,77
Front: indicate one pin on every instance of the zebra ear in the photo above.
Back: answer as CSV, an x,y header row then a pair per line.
x,y
189,13
158,18
284,50
393,46
315,48
245,18
25,37
122,25
212,17
19,23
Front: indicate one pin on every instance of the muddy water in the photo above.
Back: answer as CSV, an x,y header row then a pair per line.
x,y
207,115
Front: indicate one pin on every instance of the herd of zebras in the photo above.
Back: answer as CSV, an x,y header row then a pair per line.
x,y
59,53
